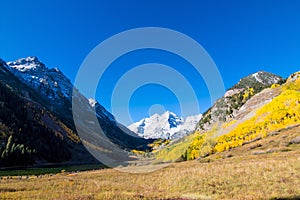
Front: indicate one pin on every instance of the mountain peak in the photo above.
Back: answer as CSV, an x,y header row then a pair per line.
x,y
258,80
169,113
265,78
52,83
167,125
27,64
32,59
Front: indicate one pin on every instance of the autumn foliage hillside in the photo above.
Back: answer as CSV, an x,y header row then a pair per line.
x,y
278,113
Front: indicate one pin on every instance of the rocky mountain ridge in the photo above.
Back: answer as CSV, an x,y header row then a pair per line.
x,y
226,107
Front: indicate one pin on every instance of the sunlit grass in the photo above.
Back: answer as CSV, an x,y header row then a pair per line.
x,y
252,177
240,173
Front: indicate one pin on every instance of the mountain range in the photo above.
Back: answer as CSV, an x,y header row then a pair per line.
x,y
36,117
37,126
166,126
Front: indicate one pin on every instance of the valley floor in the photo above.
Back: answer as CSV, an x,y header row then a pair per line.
x,y
264,176
265,169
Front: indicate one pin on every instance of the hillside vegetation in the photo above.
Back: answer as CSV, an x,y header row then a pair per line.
x,y
18,117
280,112
227,107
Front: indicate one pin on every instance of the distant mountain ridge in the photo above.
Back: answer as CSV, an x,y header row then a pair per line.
x,y
167,126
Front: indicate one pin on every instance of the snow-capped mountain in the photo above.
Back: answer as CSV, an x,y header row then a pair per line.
x,y
166,126
49,82
55,92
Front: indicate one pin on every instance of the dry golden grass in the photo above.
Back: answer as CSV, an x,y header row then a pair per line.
x,y
242,175
253,177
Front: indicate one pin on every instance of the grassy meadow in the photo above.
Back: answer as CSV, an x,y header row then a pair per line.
x,y
263,176
268,168
241,173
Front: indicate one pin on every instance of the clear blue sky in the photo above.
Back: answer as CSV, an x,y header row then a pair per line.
x,y
242,37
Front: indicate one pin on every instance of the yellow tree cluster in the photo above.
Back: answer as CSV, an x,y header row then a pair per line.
x,y
249,92
202,145
194,148
275,85
282,111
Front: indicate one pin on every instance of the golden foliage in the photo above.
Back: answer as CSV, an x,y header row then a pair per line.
x,y
202,145
159,143
282,111
138,152
275,85
249,92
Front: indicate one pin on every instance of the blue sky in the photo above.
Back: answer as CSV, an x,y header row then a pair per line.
x,y
242,37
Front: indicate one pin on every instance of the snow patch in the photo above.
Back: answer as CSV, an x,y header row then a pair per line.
x,y
92,102
257,78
